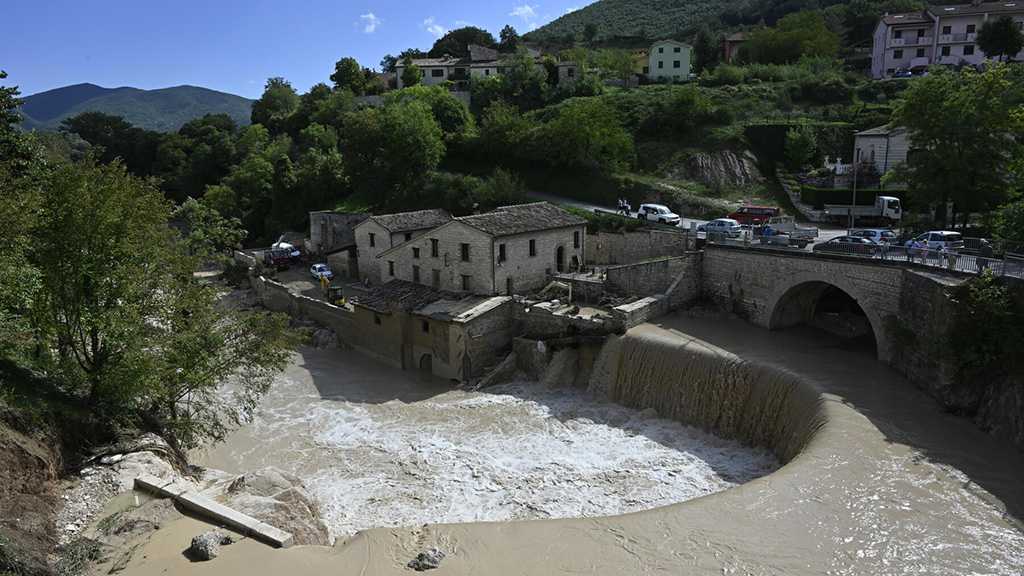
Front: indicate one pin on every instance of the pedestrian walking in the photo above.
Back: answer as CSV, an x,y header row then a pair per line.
x,y
985,254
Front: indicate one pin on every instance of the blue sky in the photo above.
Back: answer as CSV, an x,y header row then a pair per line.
x,y
231,45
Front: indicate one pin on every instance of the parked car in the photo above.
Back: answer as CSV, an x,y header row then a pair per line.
x,y
658,213
848,245
937,240
726,226
750,214
878,235
321,271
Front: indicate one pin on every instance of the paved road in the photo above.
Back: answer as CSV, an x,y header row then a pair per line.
x,y
825,233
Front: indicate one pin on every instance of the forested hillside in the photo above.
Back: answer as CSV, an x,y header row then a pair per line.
x,y
163,110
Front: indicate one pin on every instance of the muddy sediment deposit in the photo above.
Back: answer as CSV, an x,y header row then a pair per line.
x,y
875,478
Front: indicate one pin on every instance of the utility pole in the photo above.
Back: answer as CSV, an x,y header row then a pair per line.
x,y
853,206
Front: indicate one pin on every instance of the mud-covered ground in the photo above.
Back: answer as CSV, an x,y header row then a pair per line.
x,y
28,500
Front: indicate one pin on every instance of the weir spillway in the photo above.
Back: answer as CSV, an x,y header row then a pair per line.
x,y
875,478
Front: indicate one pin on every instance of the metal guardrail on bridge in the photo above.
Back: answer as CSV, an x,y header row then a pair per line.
x,y
1010,264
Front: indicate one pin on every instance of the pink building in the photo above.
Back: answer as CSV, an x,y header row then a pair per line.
x,y
936,35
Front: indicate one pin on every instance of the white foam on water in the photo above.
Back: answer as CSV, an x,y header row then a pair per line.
x,y
517,451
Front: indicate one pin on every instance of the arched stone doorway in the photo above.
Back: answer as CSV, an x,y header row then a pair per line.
x,y
829,308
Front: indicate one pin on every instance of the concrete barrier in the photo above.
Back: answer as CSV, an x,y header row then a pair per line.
x,y
244,524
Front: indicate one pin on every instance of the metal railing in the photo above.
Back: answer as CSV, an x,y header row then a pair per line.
x,y
1009,264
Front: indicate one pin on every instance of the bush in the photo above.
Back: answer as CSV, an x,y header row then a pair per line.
x,y
724,75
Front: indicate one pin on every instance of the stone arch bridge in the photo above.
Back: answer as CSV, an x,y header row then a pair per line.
x,y
776,289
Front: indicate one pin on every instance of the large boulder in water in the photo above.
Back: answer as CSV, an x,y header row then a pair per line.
x,y
282,501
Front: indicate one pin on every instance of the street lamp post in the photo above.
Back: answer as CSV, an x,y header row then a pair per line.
x,y
853,206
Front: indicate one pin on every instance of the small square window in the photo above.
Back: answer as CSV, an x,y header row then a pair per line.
x,y
920,52
533,247
947,29
391,267
675,64
408,236
425,326
437,73
501,252
661,50
920,33
576,239
433,248
464,252
898,34
968,49
676,49
373,239
897,54
416,253
570,72
661,63
971,28
945,50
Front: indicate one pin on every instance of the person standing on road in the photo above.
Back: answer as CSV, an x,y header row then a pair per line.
x,y
985,254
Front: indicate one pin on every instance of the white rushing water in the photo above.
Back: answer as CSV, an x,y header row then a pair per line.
x,y
377,448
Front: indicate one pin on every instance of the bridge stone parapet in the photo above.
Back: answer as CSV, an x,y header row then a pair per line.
x,y
780,289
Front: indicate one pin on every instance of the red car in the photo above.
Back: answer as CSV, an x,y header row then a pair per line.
x,y
754,215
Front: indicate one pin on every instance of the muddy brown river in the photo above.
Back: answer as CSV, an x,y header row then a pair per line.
x,y
877,479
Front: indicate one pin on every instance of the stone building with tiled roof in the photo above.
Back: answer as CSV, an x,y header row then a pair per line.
x,y
385,231
480,63
512,249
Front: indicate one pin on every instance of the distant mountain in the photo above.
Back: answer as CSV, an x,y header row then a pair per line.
x,y
164,110
650,19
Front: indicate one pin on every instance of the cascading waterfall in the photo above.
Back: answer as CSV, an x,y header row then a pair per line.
x,y
697,384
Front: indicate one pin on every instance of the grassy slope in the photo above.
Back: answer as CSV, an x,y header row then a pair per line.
x,y
647,18
164,110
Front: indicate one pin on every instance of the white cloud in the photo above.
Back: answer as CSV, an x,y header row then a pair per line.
x,y
370,22
571,9
431,25
462,23
526,12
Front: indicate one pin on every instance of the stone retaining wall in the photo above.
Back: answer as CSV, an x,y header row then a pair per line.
x,y
629,247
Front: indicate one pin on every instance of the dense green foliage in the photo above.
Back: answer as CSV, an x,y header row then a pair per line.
x,y
966,138
98,300
164,110
456,42
795,36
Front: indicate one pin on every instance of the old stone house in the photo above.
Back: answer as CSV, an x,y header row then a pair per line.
x,y
513,249
332,239
415,327
481,62
380,233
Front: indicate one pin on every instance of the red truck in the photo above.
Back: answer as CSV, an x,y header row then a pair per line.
x,y
754,215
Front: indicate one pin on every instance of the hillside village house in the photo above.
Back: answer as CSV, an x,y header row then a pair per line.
x,y
511,249
379,233
936,35
481,63
884,147
332,238
731,46
669,60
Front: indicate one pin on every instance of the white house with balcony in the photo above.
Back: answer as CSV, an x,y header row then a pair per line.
x,y
937,35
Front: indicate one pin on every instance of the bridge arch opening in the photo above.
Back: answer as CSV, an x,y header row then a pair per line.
x,y
829,308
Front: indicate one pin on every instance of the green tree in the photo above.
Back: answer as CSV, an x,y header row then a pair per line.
x,y
115,138
206,234
509,39
801,146
348,75
590,32
1000,37
389,150
456,42
585,134
617,64
410,73
278,102
505,132
1009,228
794,36
451,114
706,50
966,136
388,63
